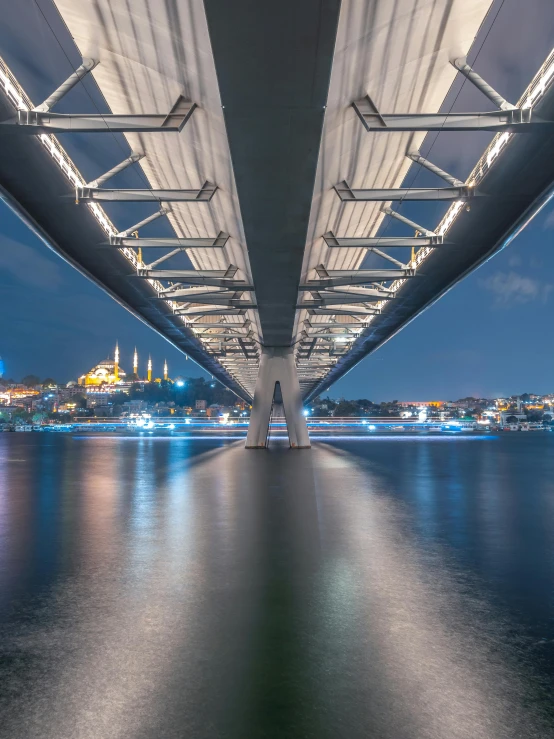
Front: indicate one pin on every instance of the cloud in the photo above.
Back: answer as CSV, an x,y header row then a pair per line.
x,y
28,265
509,287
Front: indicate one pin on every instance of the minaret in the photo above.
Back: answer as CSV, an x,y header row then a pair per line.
x,y
149,369
165,369
135,363
116,362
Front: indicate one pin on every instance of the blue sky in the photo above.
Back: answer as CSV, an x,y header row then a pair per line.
x,y
490,335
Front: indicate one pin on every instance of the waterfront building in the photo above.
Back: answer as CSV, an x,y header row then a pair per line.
x,y
110,373
16,395
421,403
106,372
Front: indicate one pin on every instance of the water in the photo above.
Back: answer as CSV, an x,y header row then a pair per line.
x,y
393,588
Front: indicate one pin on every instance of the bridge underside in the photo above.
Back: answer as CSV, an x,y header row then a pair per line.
x,y
274,64
301,120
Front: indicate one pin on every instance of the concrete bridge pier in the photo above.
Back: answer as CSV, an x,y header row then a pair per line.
x,y
277,376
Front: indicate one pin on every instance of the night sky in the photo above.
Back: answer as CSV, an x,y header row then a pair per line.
x,y
489,336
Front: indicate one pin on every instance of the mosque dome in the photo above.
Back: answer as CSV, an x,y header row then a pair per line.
x,y
107,371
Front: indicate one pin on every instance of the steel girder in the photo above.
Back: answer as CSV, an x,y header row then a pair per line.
x,y
350,195
347,242
511,121
218,242
33,122
91,194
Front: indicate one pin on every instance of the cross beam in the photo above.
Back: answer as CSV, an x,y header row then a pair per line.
x,y
234,311
517,120
195,280
359,277
206,299
336,297
346,324
205,335
35,122
205,325
346,242
341,335
227,274
91,194
347,194
336,312
216,242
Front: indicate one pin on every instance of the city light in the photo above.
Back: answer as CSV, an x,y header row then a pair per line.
x,y
180,383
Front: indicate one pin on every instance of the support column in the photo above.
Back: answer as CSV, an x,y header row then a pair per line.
x,y
277,366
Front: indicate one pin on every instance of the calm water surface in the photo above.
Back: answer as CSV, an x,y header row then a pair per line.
x,y
392,588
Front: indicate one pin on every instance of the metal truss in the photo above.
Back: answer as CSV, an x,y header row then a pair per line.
x,y
326,337
223,302
329,299
338,278
512,121
217,242
235,310
203,281
347,194
226,274
90,194
41,120
347,242
206,335
206,325
339,311
507,118
353,324
190,295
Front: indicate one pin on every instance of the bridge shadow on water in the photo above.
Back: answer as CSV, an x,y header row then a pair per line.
x,y
165,587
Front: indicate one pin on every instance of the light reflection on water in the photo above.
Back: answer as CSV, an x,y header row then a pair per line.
x,y
153,586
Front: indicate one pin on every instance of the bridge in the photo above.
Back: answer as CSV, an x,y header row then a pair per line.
x,y
275,145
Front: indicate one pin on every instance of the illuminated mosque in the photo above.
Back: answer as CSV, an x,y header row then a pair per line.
x,y
109,372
